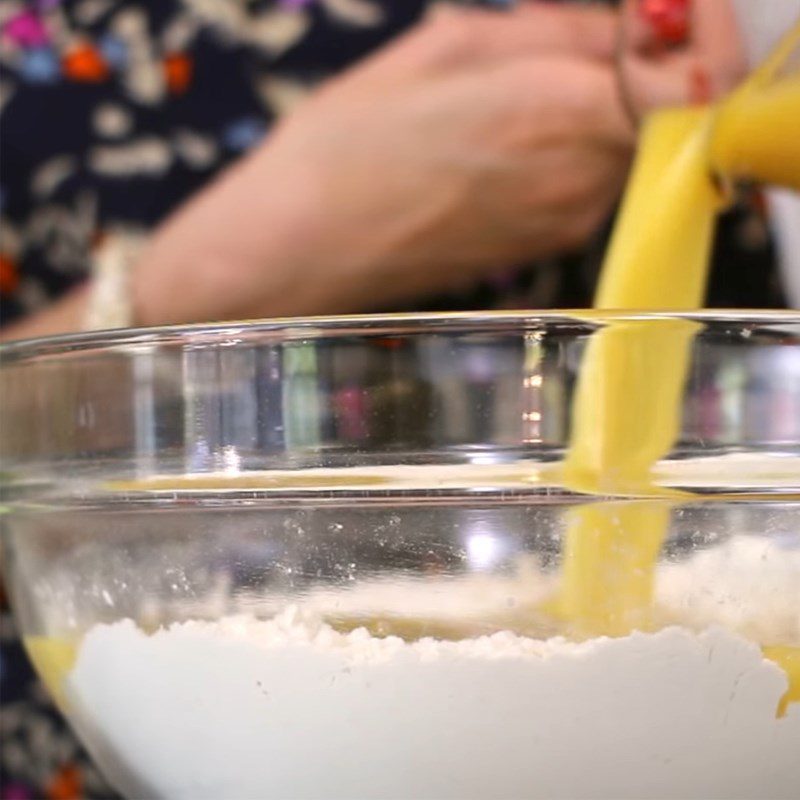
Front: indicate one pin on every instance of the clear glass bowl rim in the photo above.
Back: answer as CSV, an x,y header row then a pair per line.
x,y
394,324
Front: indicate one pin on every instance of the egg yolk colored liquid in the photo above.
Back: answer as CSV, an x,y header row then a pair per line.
x,y
627,407
53,659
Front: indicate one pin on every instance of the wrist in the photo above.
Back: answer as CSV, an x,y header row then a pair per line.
x,y
66,315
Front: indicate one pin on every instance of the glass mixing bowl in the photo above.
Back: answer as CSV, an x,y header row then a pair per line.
x,y
337,558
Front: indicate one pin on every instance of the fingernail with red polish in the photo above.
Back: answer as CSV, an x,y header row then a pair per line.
x,y
699,85
668,19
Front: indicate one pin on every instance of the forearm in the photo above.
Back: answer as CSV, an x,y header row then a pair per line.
x,y
247,246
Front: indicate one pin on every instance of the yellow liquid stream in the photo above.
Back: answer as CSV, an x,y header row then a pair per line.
x,y
626,413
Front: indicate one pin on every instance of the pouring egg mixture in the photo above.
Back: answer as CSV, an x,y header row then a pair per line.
x,y
636,692
626,413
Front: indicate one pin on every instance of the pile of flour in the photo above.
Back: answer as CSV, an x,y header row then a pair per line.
x,y
288,707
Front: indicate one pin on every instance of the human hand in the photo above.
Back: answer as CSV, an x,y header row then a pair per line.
x,y
477,140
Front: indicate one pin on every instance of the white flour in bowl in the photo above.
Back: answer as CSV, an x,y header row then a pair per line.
x,y
242,709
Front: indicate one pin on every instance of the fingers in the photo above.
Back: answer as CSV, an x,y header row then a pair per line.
x,y
715,36
652,26
704,62
453,38
533,102
473,36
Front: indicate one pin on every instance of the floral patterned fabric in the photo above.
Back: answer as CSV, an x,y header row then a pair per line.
x,y
113,112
